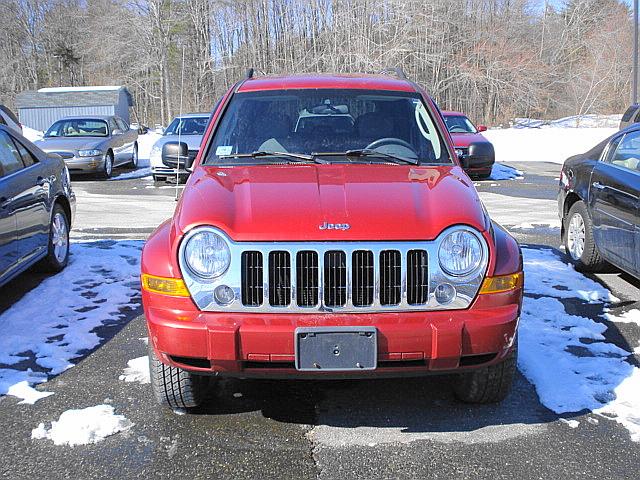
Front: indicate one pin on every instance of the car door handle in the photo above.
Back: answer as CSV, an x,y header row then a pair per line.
x,y
5,202
598,186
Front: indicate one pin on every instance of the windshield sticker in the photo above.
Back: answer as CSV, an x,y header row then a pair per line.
x,y
224,150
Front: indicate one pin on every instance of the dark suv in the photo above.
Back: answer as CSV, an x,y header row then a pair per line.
x,y
631,116
36,207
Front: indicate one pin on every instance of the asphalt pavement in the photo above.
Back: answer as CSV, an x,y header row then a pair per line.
x,y
401,428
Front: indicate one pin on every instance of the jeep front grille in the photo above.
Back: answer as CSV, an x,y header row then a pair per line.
x,y
343,282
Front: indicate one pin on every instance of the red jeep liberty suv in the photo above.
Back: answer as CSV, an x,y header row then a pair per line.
x,y
329,231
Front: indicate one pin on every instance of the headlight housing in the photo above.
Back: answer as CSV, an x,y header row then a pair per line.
x,y
89,153
206,254
460,253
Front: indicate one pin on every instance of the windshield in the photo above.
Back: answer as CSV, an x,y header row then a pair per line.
x,y
187,126
78,128
325,123
459,124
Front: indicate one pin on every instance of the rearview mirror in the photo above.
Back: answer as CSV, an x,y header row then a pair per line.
x,y
482,128
176,155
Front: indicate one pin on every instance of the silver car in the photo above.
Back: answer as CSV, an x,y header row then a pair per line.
x,y
190,129
92,144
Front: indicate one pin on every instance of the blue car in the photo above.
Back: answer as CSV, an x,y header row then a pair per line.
x,y
37,206
599,204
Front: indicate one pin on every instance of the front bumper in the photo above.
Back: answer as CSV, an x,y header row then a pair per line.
x,y
262,345
84,164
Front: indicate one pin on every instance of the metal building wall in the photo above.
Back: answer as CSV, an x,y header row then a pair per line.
x,y
42,118
122,109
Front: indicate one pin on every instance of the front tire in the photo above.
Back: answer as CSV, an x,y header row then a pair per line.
x,y
579,242
58,247
175,387
488,384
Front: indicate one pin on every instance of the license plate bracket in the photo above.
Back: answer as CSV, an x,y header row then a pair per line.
x,y
336,348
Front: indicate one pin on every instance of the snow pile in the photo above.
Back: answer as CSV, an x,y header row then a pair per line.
x,y
27,393
31,134
574,121
632,316
504,172
566,356
137,370
145,143
138,173
55,322
82,427
544,144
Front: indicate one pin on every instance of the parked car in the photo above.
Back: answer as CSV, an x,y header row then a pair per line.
x,y
95,144
37,206
470,143
190,128
598,203
9,119
342,255
631,116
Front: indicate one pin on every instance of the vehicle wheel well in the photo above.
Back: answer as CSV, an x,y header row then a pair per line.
x,y
572,198
64,203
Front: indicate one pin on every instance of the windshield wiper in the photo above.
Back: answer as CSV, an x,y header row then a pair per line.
x,y
298,157
367,153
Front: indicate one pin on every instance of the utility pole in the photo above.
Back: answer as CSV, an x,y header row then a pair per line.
x,y
634,93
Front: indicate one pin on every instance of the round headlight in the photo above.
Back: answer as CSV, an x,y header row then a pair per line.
x,y
460,253
207,254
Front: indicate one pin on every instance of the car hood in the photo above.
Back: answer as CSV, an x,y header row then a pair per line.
x,y
466,139
68,144
293,202
192,141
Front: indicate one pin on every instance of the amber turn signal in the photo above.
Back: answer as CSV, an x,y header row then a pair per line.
x,y
174,287
503,283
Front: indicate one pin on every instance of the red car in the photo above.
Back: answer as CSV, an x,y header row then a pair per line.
x,y
336,251
470,144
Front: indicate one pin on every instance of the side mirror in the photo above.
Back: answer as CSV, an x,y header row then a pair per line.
x,y
481,128
481,155
464,161
116,131
176,155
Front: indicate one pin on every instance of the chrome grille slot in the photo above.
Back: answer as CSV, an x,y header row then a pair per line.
x,y
362,278
417,277
279,279
390,277
335,278
252,287
307,278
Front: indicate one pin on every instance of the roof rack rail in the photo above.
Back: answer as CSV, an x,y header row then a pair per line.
x,y
249,74
395,70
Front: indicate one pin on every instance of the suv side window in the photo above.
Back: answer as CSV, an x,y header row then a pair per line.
x,y
626,153
10,160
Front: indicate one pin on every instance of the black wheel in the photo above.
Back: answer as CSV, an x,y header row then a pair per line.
x,y
134,156
58,250
488,384
175,387
107,168
578,240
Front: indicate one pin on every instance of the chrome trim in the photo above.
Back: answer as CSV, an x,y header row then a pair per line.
x,y
201,289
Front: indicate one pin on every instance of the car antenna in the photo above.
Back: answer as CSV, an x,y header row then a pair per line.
x,y
180,120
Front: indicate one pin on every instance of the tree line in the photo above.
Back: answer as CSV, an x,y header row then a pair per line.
x,y
494,59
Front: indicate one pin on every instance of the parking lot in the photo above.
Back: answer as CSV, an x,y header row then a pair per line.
x,y
401,428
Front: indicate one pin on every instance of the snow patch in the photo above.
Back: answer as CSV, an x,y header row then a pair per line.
x,y
632,316
137,371
27,393
55,322
567,357
31,134
570,423
137,173
83,427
